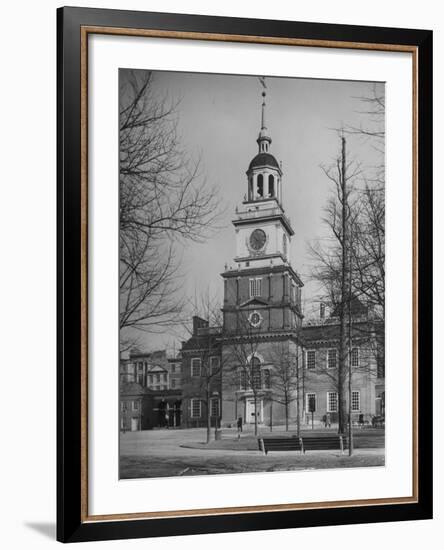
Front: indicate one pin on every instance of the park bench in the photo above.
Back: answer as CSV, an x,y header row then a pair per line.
x,y
324,443
302,444
279,444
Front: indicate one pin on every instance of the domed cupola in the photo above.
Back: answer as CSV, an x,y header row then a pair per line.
x,y
264,173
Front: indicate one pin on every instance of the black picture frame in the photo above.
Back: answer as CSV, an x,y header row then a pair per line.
x,y
72,526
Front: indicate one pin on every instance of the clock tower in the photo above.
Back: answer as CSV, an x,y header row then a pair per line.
x,y
262,291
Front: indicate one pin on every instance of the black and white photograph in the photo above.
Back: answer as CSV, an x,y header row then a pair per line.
x,y
251,274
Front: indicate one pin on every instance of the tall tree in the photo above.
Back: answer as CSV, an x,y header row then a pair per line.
x,y
332,268
286,379
163,201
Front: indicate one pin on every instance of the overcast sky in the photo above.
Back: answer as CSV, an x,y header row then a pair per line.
x,y
219,120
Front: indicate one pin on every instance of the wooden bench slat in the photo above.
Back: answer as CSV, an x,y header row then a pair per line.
x,y
309,443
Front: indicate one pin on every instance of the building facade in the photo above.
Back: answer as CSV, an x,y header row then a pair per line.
x,y
273,368
150,391
201,376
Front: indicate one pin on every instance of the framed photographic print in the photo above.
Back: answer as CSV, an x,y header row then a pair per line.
x,y
244,274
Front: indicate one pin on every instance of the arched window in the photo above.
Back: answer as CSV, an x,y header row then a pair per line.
x,y
260,185
242,380
250,189
267,378
271,185
256,378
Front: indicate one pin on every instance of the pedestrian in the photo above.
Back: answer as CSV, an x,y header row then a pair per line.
x,y
327,420
239,426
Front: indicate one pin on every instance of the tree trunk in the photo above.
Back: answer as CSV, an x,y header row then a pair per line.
x,y
208,416
350,386
298,413
286,413
343,318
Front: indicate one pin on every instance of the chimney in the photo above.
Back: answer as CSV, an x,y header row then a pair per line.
x,y
198,323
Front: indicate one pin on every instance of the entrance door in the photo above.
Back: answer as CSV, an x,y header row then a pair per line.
x,y
250,412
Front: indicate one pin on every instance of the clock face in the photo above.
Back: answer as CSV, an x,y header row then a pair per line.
x,y
257,239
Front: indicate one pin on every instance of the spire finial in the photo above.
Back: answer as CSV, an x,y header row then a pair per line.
x,y
263,126
264,139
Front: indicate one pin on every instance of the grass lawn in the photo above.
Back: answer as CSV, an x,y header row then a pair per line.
x,y
132,467
362,439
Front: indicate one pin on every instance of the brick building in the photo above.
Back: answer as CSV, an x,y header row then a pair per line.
x,y
201,376
263,328
150,391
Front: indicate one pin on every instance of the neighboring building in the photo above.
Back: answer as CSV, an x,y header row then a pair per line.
x,y
263,323
175,372
150,391
135,407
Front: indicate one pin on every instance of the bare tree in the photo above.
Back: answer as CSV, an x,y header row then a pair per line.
x,y
243,366
286,378
163,201
368,250
332,263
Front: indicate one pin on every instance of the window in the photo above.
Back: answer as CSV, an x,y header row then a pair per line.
x,y
140,367
195,367
135,405
355,357
260,185
122,406
271,185
284,250
214,365
215,407
164,377
332,402
356,401
151,378
255,287
256,378
157,377
242,380
140,379
331,359
380,365
196,406
322,311
267,379
173,382
311,359
310,402
173,368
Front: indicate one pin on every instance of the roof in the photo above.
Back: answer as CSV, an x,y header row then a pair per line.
x,y
356,308
263,159
331,331
132,388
